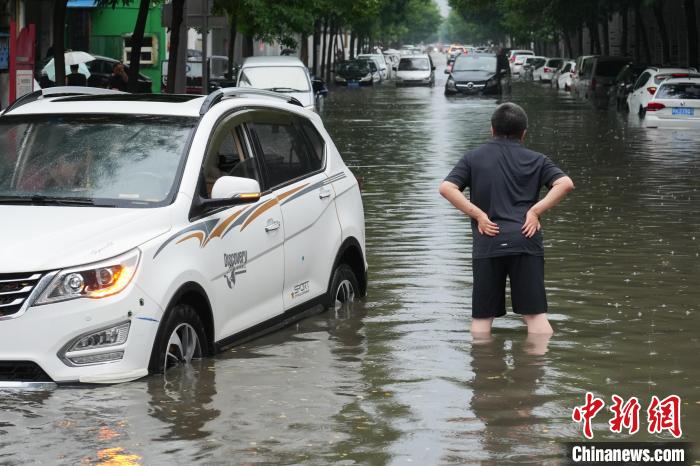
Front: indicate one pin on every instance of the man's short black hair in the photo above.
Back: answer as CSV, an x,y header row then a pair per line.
x,y
509,120
74,67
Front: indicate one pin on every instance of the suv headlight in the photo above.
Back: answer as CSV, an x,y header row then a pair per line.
x,y
96,280
368,77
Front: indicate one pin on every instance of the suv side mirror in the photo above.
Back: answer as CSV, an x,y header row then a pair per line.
x,y
432,68
231,190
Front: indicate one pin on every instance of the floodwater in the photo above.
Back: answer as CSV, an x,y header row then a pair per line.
x,y
397,378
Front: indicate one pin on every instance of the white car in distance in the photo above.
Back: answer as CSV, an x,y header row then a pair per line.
x,y
146,232
513,59
546,73
381,63
562,78
283,74
415,70
676,104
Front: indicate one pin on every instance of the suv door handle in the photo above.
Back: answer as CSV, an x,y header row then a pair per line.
x,y
324,193
272,225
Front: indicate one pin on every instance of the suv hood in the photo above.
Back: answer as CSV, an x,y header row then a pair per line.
x,y
474,76
41,238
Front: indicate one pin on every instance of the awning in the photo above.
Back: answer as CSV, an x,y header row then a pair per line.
x,y
81,4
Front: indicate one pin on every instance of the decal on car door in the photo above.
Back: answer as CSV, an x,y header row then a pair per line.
x,y
207,230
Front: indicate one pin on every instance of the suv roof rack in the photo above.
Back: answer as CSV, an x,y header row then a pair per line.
x,y
219,94
60,91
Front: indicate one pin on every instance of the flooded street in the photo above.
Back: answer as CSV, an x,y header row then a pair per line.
x,y
396,378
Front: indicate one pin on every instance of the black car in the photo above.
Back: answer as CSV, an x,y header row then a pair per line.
x,y
355,72
101,71
477,74
624,82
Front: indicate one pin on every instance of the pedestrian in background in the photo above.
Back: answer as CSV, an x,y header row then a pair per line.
x,y
75,77
504,180
119,79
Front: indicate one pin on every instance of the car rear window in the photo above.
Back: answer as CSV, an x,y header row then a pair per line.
x,y
609,69
687,91
555,63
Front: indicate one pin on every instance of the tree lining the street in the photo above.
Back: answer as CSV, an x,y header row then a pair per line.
x,y
548,21
334,26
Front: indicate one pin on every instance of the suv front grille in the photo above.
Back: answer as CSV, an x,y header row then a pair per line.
x,y
15,288
22,371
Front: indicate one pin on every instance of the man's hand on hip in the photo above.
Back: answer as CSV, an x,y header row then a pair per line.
x,y
486,226
532,224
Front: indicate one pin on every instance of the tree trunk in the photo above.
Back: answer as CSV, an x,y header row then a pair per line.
x,y
329,56
59,28
317,41
233,32
352,45
665,43
691,19
342,42
625,31
248,46
324,46
580,41
177,12
136,42
606,36
304,52
567,43
593,36
639,19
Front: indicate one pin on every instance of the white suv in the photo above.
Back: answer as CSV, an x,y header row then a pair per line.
x,y
144,231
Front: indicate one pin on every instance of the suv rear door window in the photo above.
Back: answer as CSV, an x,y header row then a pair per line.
x,y
283,148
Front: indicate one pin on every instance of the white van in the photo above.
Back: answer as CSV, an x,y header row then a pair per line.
x,y
283,74
142,232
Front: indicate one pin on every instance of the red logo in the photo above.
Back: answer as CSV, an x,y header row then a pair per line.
x,y
665,415
662,415
587,412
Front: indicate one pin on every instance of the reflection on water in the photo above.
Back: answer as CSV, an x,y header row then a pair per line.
x,y
396,378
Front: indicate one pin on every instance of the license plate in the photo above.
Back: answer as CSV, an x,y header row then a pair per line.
x,y
353,83
683,111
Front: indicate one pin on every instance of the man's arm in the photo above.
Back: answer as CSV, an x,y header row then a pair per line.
x,y
452,193
560,188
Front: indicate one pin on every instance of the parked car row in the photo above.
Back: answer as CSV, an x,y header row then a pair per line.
x,y
661,96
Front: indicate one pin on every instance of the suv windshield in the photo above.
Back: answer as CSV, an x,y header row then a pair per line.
x,y
275,78
475,63
104,160
414,64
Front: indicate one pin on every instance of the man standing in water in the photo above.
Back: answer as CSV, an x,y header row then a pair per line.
x,y
504,180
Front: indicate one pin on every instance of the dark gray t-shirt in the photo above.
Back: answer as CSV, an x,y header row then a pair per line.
x,y
504,180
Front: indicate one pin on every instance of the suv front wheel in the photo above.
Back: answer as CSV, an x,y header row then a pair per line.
x,y
180,340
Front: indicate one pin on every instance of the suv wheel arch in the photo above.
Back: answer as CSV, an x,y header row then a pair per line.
x,y
193,294
350,253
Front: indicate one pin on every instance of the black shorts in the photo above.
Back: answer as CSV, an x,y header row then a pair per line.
x,y
526,273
